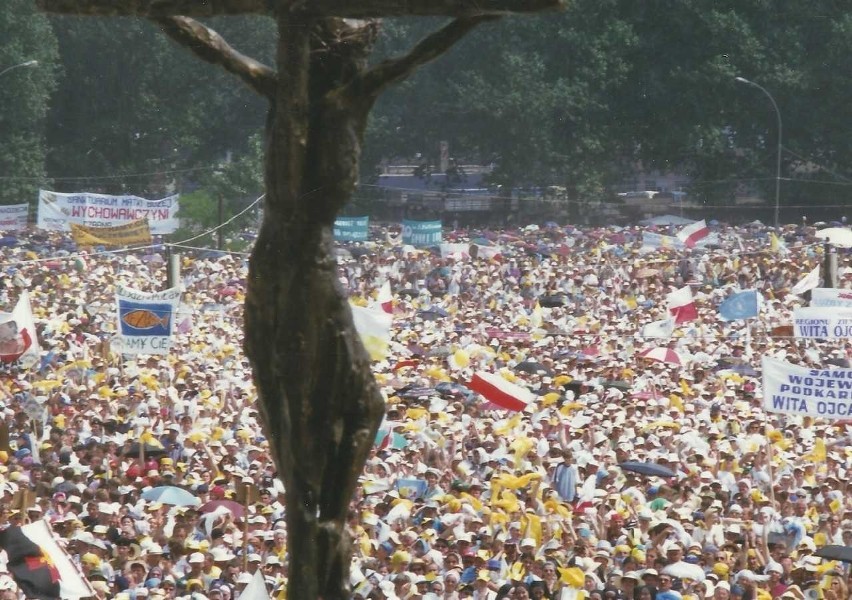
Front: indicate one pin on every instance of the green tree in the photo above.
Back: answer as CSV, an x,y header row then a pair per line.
x,y
133,111
222,201
24,95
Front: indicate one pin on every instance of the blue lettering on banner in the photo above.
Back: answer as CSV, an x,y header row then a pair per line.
x,y
825,393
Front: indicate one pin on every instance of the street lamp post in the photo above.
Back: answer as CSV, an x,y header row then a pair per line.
x,y
29,63
778,157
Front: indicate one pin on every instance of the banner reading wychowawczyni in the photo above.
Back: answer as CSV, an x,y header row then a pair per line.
x,y
822,322
421,233
146,320
57,211
135,232
13,217
795,390
831,297
351,229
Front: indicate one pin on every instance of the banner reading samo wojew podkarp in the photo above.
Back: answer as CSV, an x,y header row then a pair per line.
x,y
822,323
421,233
146,320
351,229
795,390
57,211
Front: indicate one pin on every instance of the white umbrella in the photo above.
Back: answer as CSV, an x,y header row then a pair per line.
x,y
684,570
836,236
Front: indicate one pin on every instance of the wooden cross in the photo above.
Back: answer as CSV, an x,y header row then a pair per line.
x,y
320,402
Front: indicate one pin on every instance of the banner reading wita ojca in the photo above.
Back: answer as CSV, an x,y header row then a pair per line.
x,y
795,390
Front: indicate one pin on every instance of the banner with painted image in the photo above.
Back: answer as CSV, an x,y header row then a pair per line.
x,y
827,323
14,217
351,229
794,390
421,233
57,211
146,320
828,297
19,347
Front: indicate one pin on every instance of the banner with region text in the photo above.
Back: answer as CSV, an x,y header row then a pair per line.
x,y
14,217
146,320
794,390
827,323
135,232
57,211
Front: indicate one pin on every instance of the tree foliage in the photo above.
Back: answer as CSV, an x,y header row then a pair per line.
x,y
578,99
583,98
132,103
24,96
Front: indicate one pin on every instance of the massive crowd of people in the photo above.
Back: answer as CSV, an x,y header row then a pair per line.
x,y
460,498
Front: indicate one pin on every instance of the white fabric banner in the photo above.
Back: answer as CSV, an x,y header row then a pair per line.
x,y
822,323
57,211
831,297
795,390
146,320
13,217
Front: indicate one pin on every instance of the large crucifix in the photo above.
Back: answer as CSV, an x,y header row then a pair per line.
x,y
320,403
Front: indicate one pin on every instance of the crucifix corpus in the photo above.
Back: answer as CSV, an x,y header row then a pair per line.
x,y
318,398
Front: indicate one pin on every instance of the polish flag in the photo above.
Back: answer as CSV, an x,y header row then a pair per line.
x,y
385,298
691,234
497,390
682,306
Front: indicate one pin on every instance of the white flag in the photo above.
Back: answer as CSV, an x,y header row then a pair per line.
x,y
256,589
810,281
659,329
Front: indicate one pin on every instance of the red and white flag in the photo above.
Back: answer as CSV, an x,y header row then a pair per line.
x,y
497,390
691,234
682,305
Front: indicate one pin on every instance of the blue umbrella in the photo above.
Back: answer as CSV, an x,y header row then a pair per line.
x,y
169,494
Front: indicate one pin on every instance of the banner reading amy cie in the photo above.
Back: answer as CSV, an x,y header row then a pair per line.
x,y
146,320
57,211
794,390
